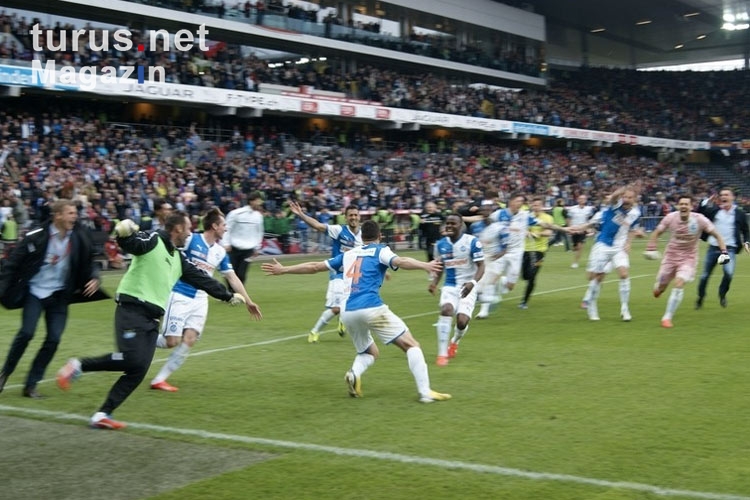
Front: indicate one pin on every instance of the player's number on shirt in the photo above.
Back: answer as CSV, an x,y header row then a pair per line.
x,y
355,270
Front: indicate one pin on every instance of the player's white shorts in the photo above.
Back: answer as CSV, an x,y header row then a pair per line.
x,y
335,293
510,265
362,324
493,268
452,295
601,255
182,313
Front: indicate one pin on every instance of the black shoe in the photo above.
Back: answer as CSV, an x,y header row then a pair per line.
x,y
723,301
31,392
699,303
3,379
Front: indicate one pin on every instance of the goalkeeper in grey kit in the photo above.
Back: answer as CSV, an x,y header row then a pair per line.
x,y
141,298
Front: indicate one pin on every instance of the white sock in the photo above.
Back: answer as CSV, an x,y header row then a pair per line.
x,y
418,368
593,291
675,298
488,293
161,342
587,295
443,334
484,309
503,285
325,317
459,334
624,292
361,363
176,358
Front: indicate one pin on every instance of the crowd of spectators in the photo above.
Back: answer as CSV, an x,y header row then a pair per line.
x,y
512,53
684,105
116,172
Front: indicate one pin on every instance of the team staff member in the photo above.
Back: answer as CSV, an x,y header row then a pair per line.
x,y
430,228
42,274
536,247
731,223
141,298
244,236
579,215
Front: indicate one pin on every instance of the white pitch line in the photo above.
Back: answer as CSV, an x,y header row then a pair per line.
x,y
398,457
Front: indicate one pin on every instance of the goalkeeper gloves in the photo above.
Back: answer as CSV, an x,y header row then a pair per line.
x,y
125,228
237,299
723,258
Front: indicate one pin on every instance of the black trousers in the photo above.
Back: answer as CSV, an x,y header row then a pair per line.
x,y
240,260
135,335
55,309
532,262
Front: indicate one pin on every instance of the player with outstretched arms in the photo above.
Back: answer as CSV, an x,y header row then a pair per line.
x,y
365,314
344,237
617,222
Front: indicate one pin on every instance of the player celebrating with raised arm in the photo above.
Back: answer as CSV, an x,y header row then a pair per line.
x,y
616,223
463,261
345,237
681,254
188,307
365,314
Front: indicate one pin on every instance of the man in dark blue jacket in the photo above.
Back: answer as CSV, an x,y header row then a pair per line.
x,y
43,273
731,223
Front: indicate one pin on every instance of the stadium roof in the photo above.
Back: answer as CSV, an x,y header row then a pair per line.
x,y
639,33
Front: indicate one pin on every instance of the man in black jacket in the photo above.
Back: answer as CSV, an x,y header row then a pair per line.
x,y
430,228
731,223
41,275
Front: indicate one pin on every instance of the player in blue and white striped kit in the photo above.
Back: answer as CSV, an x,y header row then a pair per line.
x,y
463,261
617,223
187,310
365,314
494,238
344,238
517,222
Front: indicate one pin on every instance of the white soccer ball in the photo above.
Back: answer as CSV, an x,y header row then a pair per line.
x,y
652,255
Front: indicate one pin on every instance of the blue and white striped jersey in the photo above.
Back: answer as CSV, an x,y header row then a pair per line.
x,y
363,269
343,241
615,223
494,236
459,259
517,224
205,258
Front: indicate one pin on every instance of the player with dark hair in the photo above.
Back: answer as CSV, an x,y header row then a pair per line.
x,y
142,295
681,254
187,309
344,237
463,261
365,314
